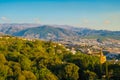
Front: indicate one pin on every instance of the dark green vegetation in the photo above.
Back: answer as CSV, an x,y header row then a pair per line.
x,y
22,59
56,32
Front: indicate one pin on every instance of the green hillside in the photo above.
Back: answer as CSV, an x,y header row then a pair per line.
x,y
26,59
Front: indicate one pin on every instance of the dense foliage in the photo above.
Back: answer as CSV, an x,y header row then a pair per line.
x,y
22,59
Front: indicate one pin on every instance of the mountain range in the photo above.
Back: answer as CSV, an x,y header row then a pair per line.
x,y
56,32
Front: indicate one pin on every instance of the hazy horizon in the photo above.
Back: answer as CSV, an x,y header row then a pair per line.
x,y
93,14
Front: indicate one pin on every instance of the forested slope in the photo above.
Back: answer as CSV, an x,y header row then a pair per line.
x,y
26,59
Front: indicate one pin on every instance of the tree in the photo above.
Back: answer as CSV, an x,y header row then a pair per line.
x,y
66,71
89,75
71,71
3,71
2,58
14,70
13,56
45,74
25,62
28,75
21,77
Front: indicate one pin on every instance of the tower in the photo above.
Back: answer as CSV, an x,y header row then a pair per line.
x,y
102,57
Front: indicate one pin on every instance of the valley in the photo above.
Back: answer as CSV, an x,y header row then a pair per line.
x,y
70,36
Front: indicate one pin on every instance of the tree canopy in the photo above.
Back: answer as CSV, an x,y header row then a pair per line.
x,y
24,59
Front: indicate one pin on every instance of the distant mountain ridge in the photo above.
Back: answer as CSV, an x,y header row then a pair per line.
x,y
12,28
45,32
55,32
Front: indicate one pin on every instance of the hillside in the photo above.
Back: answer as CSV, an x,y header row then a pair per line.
x,y
12,28
56,32
89,33
46,32
30,59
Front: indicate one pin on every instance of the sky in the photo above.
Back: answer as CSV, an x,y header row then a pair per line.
x,y
94,14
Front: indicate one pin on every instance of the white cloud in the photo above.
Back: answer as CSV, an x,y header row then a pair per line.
x,y
3,18
37,20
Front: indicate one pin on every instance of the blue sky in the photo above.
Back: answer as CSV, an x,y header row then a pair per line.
x,y
95,14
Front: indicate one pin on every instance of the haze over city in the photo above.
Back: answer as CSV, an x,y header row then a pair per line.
x,y
94,14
